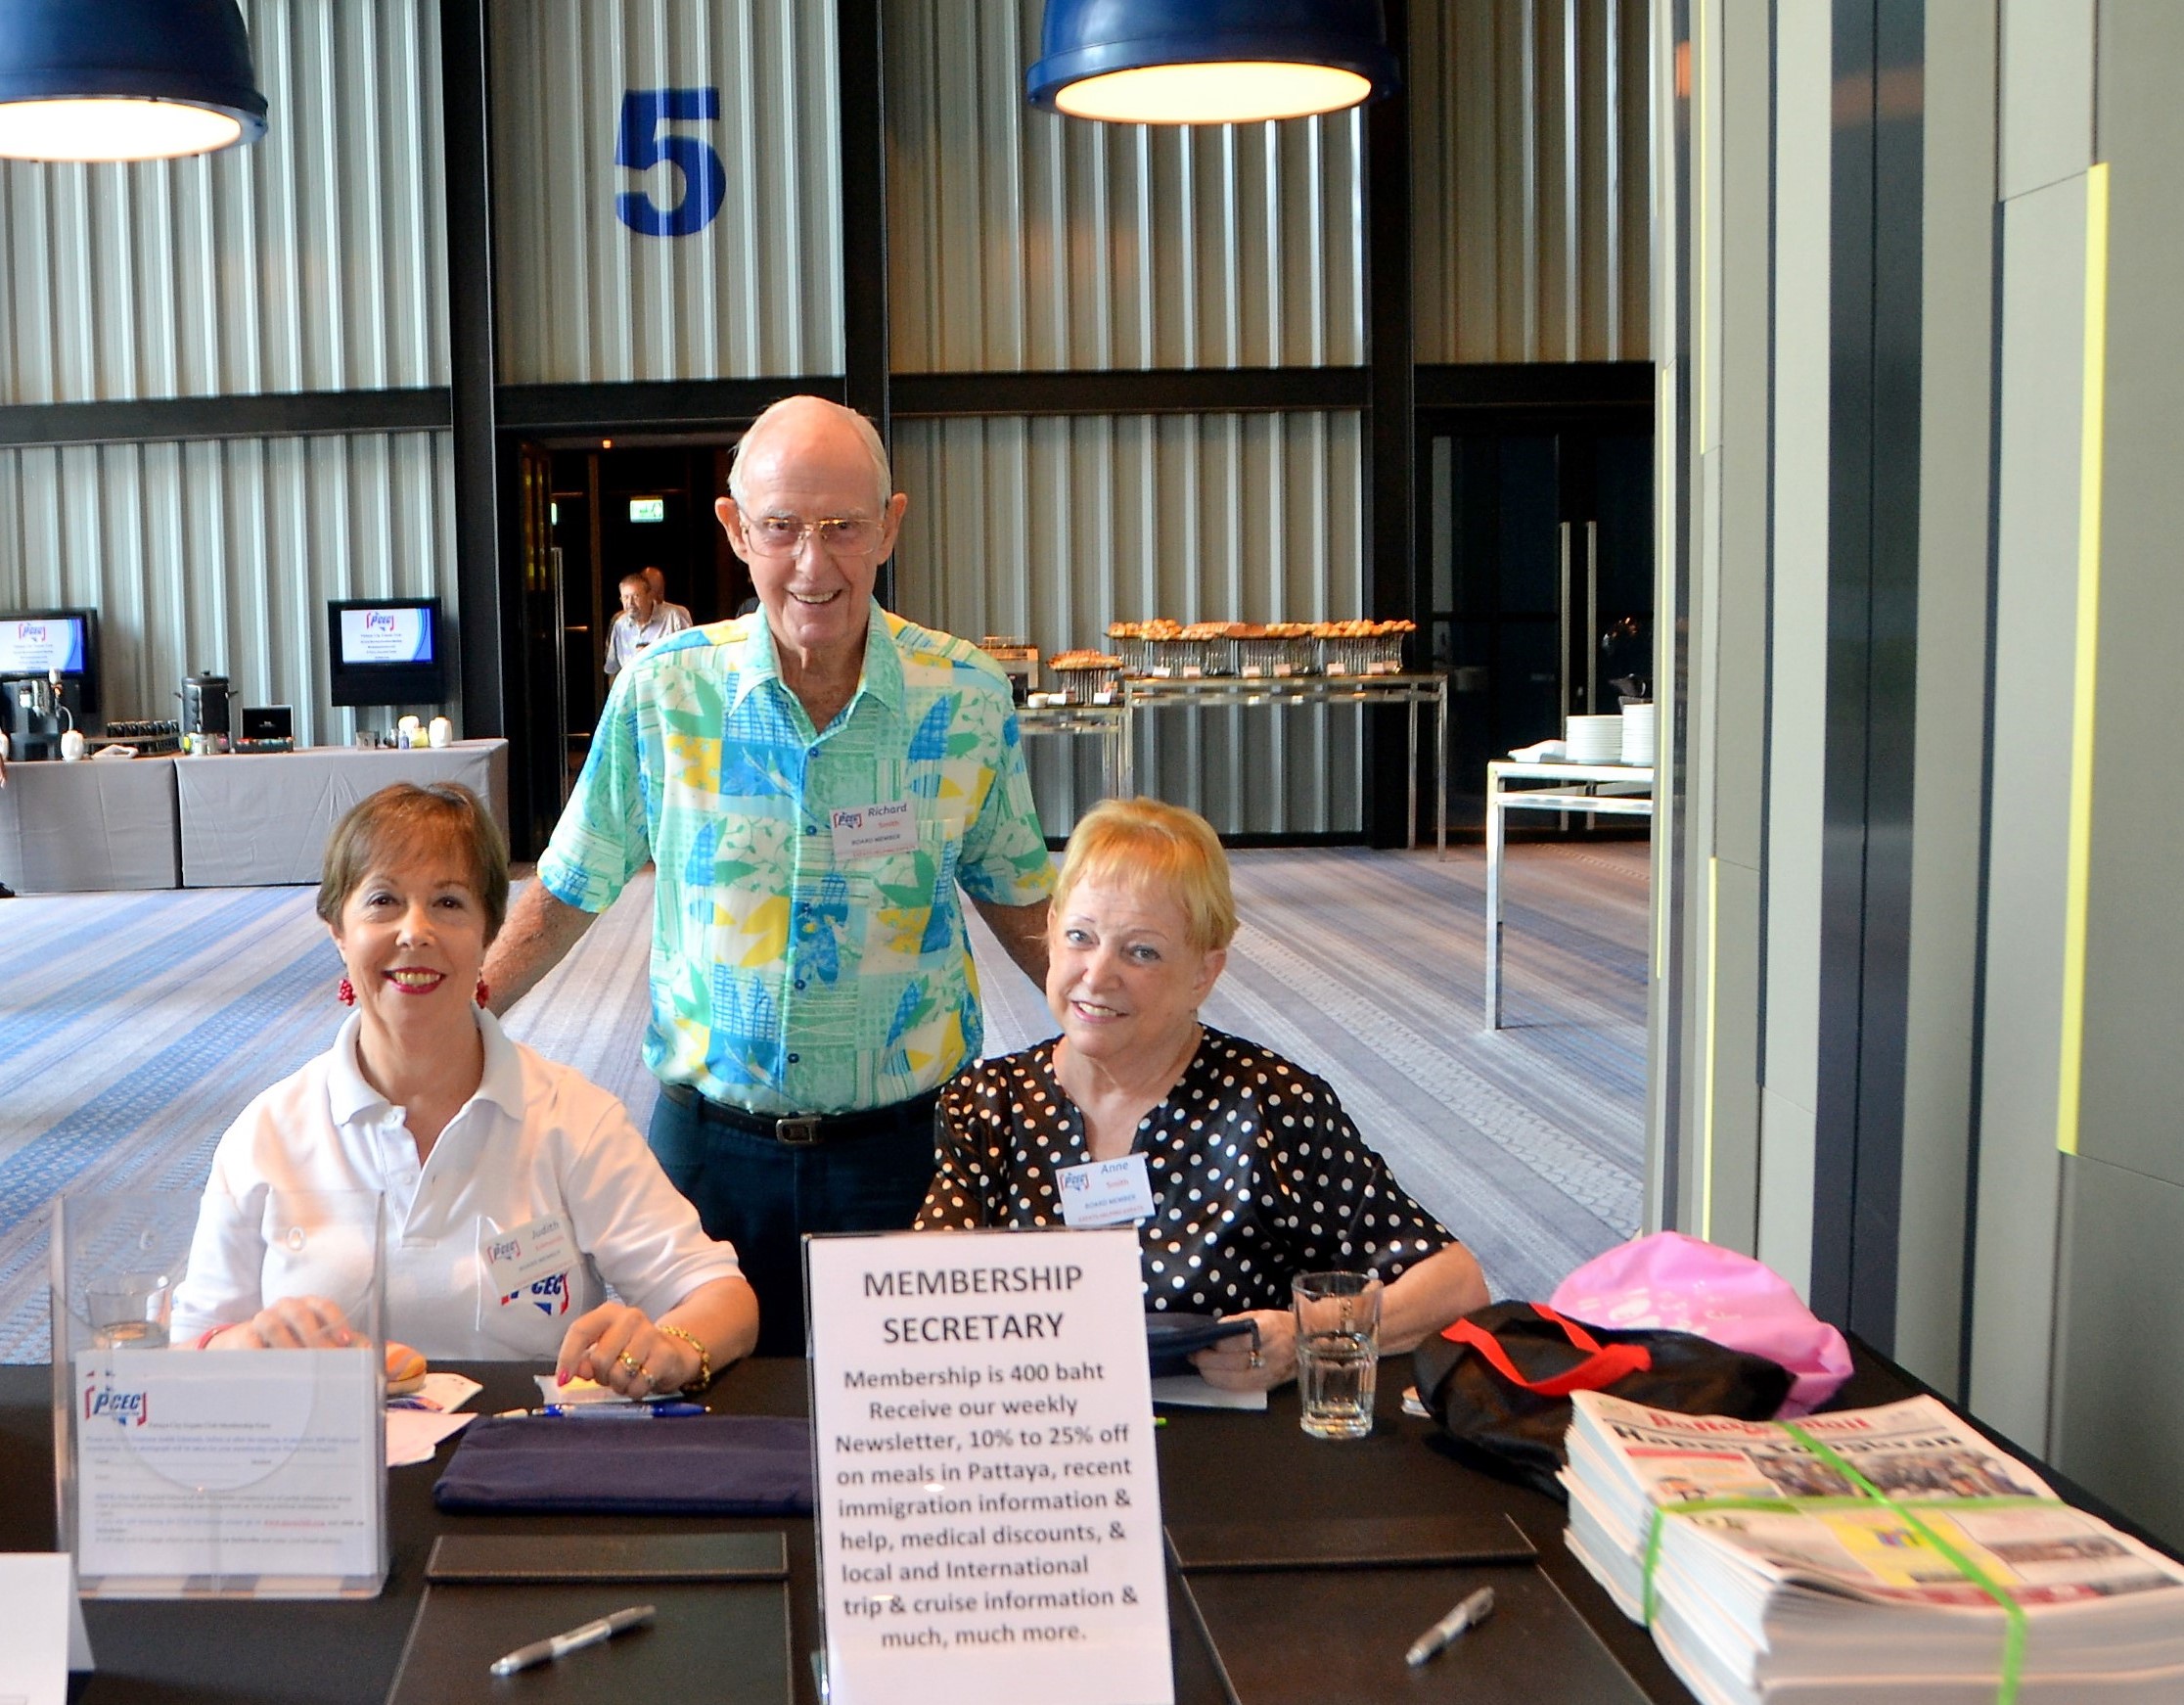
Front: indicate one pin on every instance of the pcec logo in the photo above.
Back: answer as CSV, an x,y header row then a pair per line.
x,y
124,1408
30,632
379,622
550,1296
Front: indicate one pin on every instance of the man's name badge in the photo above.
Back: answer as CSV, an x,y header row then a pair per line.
x,y
1116,1192
528,1268
867,831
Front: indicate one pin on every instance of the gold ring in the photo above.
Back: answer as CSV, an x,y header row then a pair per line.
x,y
630,1361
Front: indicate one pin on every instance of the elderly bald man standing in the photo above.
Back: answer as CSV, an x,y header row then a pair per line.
x,y
815,782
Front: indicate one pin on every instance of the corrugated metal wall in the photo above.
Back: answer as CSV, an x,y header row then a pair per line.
x,y
1053,527
1530,182
1022,241
220,555
315,260
582,297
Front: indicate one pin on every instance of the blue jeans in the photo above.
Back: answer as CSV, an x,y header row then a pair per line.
x,y
763,1195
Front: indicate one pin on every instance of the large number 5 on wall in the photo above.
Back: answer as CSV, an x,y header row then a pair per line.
x,y
645,141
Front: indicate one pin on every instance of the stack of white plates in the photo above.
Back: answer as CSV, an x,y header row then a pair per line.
x,y
1594,739
1638,734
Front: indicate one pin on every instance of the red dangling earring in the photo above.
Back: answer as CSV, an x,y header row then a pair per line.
x,y
346,993
485,991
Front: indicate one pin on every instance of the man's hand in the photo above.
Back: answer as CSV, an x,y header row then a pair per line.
x,y
537,935
1022,930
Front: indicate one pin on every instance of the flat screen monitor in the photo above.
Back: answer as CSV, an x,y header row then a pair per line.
x,y
35,642
386,651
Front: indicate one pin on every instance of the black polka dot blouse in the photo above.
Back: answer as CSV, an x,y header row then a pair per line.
x,y
1256,1171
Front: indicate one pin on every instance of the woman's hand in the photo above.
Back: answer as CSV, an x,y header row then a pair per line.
x,y
616,1346
1238,1365
291,1323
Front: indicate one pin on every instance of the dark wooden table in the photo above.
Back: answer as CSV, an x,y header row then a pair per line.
x,y
1214,1466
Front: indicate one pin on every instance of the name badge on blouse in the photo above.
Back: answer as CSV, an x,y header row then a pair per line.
x,y
1116,1192
528,1267
868,831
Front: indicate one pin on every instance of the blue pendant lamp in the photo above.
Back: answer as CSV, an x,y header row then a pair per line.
x,y
124,79
1210,62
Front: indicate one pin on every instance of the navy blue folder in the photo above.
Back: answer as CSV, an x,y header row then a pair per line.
x,y
696,1465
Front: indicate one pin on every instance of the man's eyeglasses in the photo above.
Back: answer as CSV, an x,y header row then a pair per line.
x,y
782,536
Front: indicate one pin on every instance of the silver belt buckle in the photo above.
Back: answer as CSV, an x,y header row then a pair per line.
x,y
800,1131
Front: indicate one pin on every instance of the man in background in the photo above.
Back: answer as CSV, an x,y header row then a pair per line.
x,y
643,623
814,785
657,579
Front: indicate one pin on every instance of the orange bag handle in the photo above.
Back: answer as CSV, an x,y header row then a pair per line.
x,y
1602,1367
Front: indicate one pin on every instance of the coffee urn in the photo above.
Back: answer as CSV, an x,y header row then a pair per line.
x,y
204,707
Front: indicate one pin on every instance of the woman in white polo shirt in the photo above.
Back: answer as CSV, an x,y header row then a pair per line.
x,y
515,1190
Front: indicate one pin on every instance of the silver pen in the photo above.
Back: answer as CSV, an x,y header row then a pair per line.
x,y
1473,1611
560,1645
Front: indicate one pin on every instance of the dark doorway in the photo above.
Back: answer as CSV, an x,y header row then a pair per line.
x,y
1536,534
595,510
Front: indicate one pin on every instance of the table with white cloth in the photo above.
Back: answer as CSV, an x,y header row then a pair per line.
x,y
92,825
1614,790
255,819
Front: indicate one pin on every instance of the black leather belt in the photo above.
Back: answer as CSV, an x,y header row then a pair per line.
x,y
803,1129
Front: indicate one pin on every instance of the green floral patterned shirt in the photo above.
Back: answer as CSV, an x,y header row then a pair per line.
x,y
784,979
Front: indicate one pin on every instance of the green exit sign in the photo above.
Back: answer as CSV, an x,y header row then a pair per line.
x,y
648,509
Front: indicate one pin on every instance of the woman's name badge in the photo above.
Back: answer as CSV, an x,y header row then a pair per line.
x,y
867,831
1116,1192
528,1268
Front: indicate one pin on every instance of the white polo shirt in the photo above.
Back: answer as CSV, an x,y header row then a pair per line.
x,y
538,1141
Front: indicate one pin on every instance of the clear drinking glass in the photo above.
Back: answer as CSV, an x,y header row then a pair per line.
x,y
130,1311
1337,1351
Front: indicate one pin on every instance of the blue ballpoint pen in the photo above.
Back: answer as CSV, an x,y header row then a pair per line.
x,y
615,1412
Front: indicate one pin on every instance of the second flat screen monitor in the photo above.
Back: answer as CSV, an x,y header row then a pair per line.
x,y
386,651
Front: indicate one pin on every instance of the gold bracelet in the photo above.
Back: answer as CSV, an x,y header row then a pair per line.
x,y
704,1356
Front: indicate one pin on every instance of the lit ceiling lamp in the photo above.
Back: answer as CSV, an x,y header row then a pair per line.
x,y
1210,62
124,79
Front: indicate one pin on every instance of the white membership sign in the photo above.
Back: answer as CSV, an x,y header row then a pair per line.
x,y
989,1503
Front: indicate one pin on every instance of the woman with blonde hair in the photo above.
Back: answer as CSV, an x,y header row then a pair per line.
x,y
1252,1170
475,1143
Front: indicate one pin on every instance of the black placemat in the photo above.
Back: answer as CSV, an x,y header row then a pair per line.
x,y
1348,1629
1351,1543
719,1643
573,1557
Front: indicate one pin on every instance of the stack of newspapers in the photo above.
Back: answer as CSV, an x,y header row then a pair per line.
x,y
1775,1577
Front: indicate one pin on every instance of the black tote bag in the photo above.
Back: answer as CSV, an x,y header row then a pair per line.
x,y
1499,1382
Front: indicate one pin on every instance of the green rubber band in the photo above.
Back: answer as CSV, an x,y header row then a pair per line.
x,y
1652,1561
2013,1627
1868,1493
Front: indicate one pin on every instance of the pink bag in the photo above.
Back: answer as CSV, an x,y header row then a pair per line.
x,y
1687,1285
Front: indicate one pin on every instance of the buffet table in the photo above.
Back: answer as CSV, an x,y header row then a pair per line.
x,y
1415,692
89,826
1116,724
1107,723
257,819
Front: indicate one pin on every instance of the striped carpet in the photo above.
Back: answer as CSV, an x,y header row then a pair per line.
x,y
134,1027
